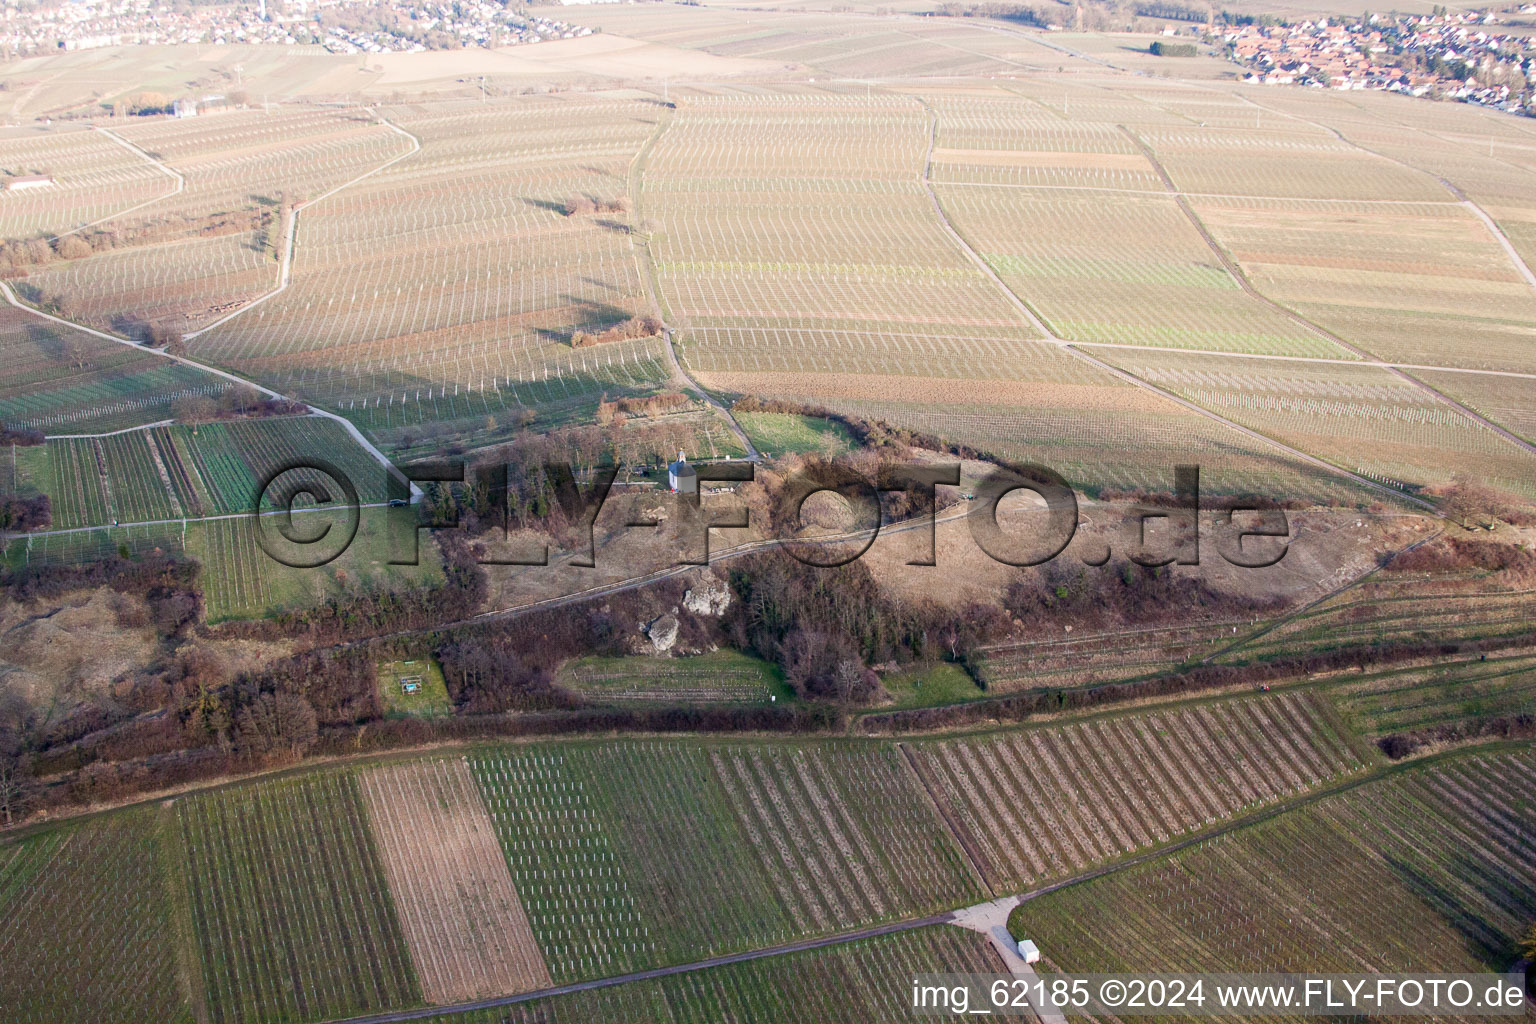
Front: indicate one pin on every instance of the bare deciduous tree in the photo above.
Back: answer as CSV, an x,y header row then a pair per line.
x,y
193,410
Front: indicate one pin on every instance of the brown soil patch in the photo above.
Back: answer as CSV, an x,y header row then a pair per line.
x,y
460,912
73,648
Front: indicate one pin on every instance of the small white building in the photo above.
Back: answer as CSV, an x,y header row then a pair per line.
x,y
184,108
1029,951
27,181
681,477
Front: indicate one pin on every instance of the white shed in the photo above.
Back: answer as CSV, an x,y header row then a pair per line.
x,y
681,476
1029,951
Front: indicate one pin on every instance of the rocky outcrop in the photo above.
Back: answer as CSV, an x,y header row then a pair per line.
x,y
710,596
663,633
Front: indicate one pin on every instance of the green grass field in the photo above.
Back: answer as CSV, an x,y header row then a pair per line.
x,y
782,433
431,697
723,677
943,683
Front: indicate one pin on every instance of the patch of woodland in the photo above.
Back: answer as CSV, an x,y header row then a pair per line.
x,y
18,256
827,628
1122,594
611,411
1515,563
648,325
161,579
19,514
1502,727
583,205
1474,504
20,437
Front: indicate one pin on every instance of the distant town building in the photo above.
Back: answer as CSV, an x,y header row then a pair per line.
x,y
681,477
27,181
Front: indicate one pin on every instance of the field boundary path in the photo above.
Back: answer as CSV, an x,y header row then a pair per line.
x,y
111,433
176,176
1324,360
293,221
642,254
346,424
991,920
285,267
842,938
1125,375
1455,190
1240,276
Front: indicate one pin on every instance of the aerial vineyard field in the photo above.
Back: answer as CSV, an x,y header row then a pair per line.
x,y
1362,419
794,842
1296,161
79,548
1409,283
63,381
573,883
93,177
1396,609
240,163
1425,871
241,579
1042,803
1478,154
862,981
1446,692
1082,660
85,926
170,473
1098,263
1508,401
1004,138
461,916
1135,447
294,918
794,228
447,286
